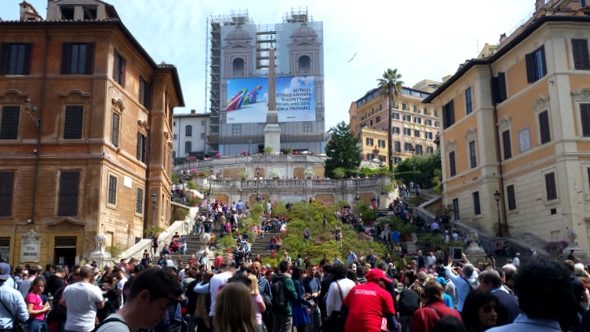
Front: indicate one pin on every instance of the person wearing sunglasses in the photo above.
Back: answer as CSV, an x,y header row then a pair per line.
x,y
480,311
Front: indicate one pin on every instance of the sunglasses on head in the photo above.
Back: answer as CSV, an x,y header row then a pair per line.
x,y
488,307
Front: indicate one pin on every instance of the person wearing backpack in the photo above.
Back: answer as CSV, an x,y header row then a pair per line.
x,y
408,303
283,295
426,318
337,292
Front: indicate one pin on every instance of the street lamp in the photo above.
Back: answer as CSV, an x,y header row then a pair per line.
x,y
257,192
497,197
356,190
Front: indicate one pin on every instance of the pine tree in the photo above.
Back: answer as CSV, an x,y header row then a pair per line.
x,y
342,149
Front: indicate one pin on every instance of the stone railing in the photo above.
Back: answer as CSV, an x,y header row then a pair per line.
x,y
334,184
181,226
256,158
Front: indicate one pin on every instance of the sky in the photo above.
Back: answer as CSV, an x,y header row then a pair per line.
x,y
425,39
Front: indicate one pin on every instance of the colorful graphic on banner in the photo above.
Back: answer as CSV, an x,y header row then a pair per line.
x,y
248,103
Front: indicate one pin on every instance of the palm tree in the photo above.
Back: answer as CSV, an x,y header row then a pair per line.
x,y
391,85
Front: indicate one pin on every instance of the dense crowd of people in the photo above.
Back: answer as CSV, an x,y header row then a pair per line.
x,y
421,292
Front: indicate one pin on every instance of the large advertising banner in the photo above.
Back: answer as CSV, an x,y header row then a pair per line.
x,y
248,99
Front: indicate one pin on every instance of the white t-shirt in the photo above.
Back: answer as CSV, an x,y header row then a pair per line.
x,y
81,299
120,285
216,282
333,300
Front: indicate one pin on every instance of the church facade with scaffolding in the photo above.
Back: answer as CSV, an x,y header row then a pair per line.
x,y
238,69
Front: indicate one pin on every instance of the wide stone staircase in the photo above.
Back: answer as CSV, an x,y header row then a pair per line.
x,y
193,246
260,245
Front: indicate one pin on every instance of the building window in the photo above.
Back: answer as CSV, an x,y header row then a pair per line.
x,y
550,186
545,134
67,12
395,116
89,12
415,109
585,119
580,53
428,122
73,122
427,135
77,58
448,115
145,92
112,198
395,130
236,129
472,155
6,192
408,131
456,215
237,67
429,149
404,107
407,117
369,141
506,144
476,205
408,147
397,160
115,127
15,59
307,127
370,156
524,140
416,133
417,120
188,147
139,201
304,64
188,131
9,122
397,146
452,167
141,149
377,119
119,68
69,183
468,102
511,197
381,143
499,88
419,150
535,65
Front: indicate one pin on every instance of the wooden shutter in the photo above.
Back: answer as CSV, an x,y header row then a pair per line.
x,y
66,58
69,183
115,129
476,204
139,201
530,67
550,186
89,59
507,146
544,127
6,192
580,53
453,170
543,62
4,58
585,119
10,121
73,122
511,197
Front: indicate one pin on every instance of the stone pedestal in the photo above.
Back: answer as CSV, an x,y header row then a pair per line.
x,y
272,137
100,255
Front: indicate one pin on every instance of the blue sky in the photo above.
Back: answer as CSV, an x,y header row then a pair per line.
x,y
422,39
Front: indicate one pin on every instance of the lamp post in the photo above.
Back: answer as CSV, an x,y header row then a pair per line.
x,y
382,165
356,190
497,197
257,182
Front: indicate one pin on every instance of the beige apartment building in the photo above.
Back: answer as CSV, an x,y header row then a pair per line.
x,y
414,125
515,141
85,134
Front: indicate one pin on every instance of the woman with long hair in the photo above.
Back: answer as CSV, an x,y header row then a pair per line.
x,y
37,309
234,311
299,306
257,302
480,311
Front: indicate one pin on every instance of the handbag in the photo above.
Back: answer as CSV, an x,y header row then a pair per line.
x,y
17,325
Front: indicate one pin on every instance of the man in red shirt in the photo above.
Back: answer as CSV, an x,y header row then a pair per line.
x,y
368,304
425,318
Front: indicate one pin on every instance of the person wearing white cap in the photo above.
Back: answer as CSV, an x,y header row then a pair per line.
x,y
12,304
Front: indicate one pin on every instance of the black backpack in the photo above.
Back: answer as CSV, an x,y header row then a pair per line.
x,y
279,296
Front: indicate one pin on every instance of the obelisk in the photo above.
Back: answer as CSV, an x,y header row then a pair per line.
x,y
272,131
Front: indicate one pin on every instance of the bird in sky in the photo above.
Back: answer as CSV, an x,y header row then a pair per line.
x,y
352,58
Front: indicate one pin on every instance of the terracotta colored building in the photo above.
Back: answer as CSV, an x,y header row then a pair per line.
x,y
515,143
85,133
